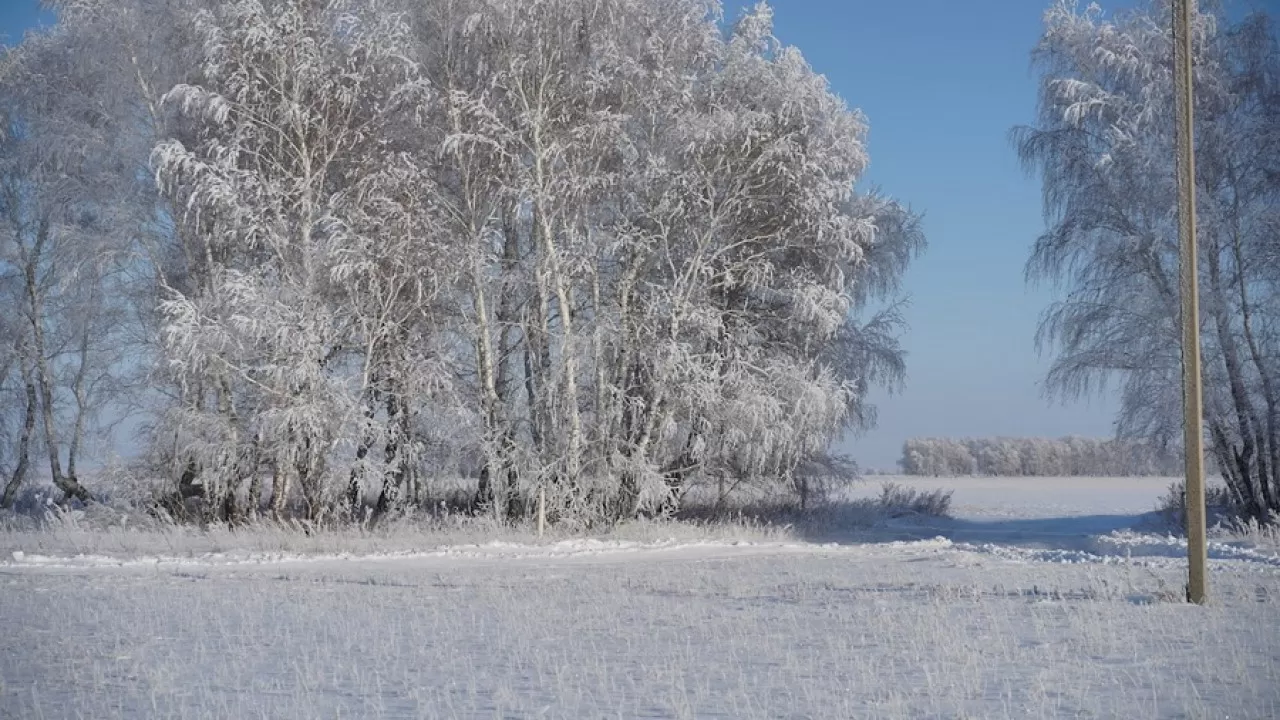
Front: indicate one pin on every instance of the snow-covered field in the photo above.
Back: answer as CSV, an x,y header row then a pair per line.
x,y
1041,599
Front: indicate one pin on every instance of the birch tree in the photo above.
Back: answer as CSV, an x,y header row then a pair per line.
x,y
1063,457
601,249
295,140
672,211
66,196
1103,148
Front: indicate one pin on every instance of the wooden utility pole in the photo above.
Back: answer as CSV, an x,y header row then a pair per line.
x,y
1192,396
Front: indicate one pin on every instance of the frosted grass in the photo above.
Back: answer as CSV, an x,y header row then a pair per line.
x,y
893,631
646,627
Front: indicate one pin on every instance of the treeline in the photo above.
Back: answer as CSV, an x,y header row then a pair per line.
x,y
604,249
1065,457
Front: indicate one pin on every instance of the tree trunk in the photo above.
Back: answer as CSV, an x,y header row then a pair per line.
x,y
393,453
69,485
489,493
1268,440
78,392
280,482
1245,417
355,486
310,478
19,475
231,476
605,434
254,501
545,233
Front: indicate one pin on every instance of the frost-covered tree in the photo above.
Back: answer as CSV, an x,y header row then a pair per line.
x,y
939,456
297,190
1103,147
606,249
67,231
665,254
1017,457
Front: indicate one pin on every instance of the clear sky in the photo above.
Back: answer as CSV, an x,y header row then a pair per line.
x,y
941,82
16,16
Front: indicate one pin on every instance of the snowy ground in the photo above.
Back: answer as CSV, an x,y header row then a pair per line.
x,y
1042,599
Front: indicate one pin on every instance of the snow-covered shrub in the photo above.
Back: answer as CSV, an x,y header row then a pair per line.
x,y
1220,506
898,501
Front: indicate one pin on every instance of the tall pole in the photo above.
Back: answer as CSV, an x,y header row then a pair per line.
x,y
1192,397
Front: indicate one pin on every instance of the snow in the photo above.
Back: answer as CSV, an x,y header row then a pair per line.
x,y
1040,599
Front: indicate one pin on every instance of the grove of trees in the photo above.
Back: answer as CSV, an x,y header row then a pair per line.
x,y
1040,457
334,250
1102,145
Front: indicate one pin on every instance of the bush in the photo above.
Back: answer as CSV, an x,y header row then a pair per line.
x,y
899,501
1220,507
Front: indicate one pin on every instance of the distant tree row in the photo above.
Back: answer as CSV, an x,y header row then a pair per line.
x,y
1006,456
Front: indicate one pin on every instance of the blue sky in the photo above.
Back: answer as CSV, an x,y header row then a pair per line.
x,y
941,82
15,17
